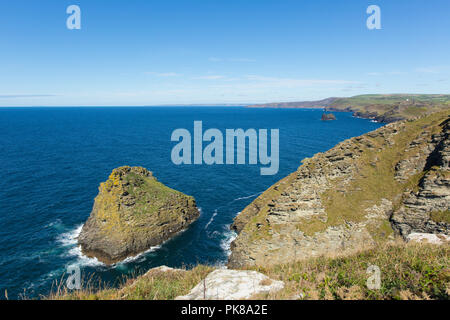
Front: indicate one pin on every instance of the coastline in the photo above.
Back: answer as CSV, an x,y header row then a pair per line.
x,y
383,108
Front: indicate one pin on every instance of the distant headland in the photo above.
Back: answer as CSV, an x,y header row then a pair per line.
x,y
379,107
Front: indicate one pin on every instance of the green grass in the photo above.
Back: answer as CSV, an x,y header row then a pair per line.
x,y
440,216
154,285
392,99
403,106
384,107
372,183
408,271
149,194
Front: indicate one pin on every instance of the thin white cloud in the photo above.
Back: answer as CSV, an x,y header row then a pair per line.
x,y
210,77
242,60
289,82
431,70
164,74
396,73
390,73
18,96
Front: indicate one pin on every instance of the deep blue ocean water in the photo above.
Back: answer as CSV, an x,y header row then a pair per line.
x,y
53,160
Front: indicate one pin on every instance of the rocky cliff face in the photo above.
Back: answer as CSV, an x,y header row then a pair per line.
x,y
425,209
133,212
394,180
379,107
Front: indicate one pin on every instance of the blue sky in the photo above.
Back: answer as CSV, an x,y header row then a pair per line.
x,y
144,52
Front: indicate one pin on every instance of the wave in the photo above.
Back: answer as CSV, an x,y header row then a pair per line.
x,y
82,260
248,197
136,257
69,240
56,225
229,237
211,220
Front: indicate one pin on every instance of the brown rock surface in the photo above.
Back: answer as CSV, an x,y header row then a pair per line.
x,y
132,212
393,180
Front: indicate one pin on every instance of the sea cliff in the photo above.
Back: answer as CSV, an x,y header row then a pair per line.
x,y
132,212
381,199
366,190
384,108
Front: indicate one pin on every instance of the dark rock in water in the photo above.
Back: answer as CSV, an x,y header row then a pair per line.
x,y
328,116
133,212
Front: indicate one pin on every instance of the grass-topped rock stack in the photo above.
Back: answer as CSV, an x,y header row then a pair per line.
x,y
132,212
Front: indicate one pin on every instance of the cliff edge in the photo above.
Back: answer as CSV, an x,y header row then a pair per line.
x,y
379,107
132,212
392,181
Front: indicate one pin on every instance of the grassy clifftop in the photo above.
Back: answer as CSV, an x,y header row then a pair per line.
x,y
132,212
394,180
381,107
408,271
392,107
320,228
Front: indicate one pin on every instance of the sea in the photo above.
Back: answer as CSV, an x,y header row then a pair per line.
x,y
54,158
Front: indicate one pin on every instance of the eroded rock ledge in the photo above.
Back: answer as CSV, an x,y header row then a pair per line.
x,y
133,212
394,180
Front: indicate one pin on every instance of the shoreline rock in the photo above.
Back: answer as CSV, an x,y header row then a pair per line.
x,y
133,212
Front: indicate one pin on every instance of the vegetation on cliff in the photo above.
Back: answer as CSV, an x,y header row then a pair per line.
x,y
320,228
394,180
408,271
392,107
380,107
133,212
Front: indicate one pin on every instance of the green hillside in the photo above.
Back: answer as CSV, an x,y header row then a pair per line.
x,y
380,107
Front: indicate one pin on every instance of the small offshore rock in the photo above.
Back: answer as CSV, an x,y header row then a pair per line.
x,y
328,117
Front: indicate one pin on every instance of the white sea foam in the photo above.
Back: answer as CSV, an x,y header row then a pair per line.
x,y
229,236
70,238
139,255
211,220
70,241
248,197
83,260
